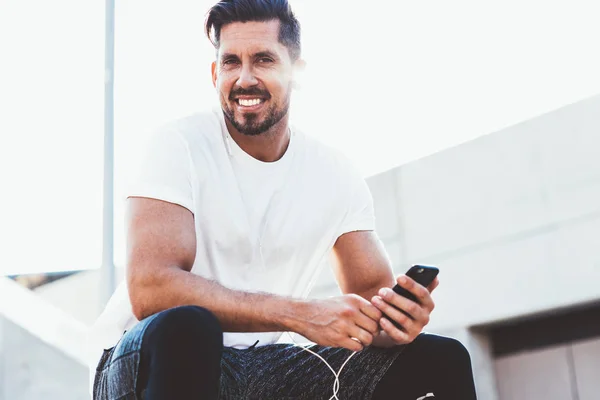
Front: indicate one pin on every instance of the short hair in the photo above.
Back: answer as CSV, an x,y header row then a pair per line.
x,y
229,11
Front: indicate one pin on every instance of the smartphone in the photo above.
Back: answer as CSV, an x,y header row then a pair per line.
x,y
423,275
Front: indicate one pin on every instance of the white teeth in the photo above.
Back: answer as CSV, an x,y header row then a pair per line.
x,y
249,102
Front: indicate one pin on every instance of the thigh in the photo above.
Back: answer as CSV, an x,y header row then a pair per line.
x,y
233,381
117,372
431,364
285,371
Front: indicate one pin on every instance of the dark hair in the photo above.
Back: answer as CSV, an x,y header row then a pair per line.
x,y
228,11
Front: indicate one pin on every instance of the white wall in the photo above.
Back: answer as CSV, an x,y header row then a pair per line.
x,y
513,216
41,347
562,372
586,362
523,375
512,219
31,369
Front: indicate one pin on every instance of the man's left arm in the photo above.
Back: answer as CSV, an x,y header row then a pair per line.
x,y
362,267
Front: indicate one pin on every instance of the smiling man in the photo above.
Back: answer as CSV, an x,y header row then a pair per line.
x,y
232,217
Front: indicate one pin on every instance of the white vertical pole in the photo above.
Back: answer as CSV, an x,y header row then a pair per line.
x,y
108,267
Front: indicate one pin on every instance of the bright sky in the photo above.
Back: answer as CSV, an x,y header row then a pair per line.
x,y
386,84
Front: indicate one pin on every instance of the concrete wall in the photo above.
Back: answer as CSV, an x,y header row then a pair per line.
x,y
586,364
573,367
31,369
41,348
512,219
84,286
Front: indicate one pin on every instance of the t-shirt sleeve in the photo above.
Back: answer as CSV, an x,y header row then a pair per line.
x,y
360,215
164,172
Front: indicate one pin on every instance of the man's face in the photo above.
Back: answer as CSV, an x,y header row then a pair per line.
x,y
253,76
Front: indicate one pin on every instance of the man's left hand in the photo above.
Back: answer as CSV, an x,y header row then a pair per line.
x,y
389,302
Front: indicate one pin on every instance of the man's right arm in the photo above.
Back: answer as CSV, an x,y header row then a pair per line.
x,y
161,249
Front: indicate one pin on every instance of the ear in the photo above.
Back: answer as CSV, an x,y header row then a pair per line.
x,y
213,68
298,71
300,64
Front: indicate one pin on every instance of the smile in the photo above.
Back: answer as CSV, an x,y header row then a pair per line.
x,y
249,102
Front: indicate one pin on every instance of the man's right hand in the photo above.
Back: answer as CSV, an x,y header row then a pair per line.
x,y
338,321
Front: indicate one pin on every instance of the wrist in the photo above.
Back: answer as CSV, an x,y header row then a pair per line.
x,y
294,315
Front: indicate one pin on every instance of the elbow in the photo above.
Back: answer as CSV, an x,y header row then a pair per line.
x,y
139,310
138,287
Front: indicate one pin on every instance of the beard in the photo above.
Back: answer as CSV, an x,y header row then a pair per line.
x,y
249,123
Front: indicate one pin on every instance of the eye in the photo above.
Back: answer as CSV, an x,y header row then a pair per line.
x,y
230,61
265,60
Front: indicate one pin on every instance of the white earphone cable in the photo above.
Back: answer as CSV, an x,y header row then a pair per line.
x,y
336,383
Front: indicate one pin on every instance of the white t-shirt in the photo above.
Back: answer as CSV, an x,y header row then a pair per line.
x,y
265,227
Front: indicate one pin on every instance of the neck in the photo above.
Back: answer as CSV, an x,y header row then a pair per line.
x,y
269,146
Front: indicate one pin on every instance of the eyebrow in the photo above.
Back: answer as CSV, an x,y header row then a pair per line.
x,y
264,53
228,55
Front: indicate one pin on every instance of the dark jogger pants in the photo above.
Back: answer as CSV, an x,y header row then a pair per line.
x,y
178,354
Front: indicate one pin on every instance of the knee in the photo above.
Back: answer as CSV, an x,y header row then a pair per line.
x,y
445,349
456,351
186,327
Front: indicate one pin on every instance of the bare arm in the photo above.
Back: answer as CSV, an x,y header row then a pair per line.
x,y
161,248
361,264
362,267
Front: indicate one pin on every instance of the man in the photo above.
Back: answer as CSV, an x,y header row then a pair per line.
x,y
229,222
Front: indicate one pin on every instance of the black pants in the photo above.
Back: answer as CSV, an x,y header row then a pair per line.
x,y
182,350
429,364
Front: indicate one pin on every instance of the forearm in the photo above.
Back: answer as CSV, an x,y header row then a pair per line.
x,y
371,288
237,311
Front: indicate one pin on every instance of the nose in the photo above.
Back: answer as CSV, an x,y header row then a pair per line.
x,y
246,78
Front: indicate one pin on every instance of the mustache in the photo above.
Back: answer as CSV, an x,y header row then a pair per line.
x,y
249,92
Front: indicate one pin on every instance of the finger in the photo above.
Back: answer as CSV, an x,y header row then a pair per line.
x,y
351,344
422,294
394,314
433,285
414,310
367,323
369,319
364,337
396,334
